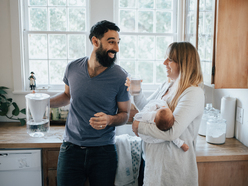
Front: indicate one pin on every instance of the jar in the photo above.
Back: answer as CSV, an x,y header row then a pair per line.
x,y
209,112
216,130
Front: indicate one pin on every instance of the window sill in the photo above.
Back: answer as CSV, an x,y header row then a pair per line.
x,y
50,92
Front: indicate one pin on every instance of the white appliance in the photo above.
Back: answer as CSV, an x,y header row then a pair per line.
x,y
20,168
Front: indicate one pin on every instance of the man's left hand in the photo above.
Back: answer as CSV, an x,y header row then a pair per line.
x,y
100,121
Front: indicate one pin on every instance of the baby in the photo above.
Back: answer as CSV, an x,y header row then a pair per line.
x,y
157,112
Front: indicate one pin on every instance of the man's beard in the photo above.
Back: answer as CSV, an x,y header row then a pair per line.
x,y
103,58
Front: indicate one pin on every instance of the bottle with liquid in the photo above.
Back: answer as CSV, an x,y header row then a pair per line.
x,y
208,113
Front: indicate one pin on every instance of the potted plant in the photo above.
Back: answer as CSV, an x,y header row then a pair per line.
x,y
6,103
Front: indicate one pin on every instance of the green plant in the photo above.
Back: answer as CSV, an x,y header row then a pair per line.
x,y
5,104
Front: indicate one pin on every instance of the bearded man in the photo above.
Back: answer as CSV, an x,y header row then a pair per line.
x,y
99,101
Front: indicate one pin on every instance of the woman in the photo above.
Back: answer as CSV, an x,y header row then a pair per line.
x,y
166,164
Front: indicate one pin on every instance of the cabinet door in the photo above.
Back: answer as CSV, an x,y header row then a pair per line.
x,y
52,178
50,160
231,47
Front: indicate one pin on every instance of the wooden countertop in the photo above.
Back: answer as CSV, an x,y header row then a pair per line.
x,y
12,135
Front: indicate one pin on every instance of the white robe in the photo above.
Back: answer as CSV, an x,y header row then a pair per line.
x,y
165,164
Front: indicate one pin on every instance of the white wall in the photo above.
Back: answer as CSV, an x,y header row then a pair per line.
x,y
6,71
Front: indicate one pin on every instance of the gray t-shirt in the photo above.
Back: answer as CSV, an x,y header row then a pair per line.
x,y
89,96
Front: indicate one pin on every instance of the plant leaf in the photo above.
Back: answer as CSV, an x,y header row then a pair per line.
x,y
2,87
9,99
4,109
2,96
16,111
23,111
2,91
22,121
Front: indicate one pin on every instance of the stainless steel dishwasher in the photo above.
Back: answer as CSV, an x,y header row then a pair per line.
x,y
20,167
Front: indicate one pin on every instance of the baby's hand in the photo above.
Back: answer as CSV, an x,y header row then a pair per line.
x,y
185,147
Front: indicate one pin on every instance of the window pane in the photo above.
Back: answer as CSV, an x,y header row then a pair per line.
x,y
128,47
127,3
201,47
127,21
202,5
192,4
76,19
163,22
162,45
57,2
38,19
209,4
146,3
37,2
77,2
37,46
56,71
129,66
206,70
146,71
146,47
57,46
201,26
209,23
39,67
209,48
192,28
161,75
57,19
192,40
145,21
77,46
163,4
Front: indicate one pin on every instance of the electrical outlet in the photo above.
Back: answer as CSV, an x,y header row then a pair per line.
x,y
239,115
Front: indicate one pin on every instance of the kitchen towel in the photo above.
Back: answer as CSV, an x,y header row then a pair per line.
x,y
228,105
129,159
124,172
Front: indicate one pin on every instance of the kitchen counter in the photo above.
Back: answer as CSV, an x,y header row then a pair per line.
x,y
12,135
218,165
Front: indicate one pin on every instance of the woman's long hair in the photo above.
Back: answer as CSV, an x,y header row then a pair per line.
x,y
190,74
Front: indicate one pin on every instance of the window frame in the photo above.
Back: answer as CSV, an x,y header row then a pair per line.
x,y
177,34
26,32
17,43
196,35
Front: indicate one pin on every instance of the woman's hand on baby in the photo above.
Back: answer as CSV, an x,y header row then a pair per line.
x,y
135,127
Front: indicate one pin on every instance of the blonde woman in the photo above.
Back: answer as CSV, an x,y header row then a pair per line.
x,y
165,164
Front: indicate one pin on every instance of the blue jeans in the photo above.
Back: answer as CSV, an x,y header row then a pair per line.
x,y
76,163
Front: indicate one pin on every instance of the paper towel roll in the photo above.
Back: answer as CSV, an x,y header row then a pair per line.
x,y
228,105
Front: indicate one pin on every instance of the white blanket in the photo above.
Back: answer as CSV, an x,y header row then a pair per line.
x,y
129,158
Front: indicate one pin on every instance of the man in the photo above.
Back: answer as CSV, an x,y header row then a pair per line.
x,y
99,101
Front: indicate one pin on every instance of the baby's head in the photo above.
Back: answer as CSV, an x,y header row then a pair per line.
x,y
164,119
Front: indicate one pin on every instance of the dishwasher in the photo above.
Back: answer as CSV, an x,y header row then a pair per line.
x,y
20,168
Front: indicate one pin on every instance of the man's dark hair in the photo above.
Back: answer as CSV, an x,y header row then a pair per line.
x,y
101,27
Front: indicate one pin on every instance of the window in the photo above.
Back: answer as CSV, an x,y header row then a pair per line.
x,y
200,32
54,33
147,28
